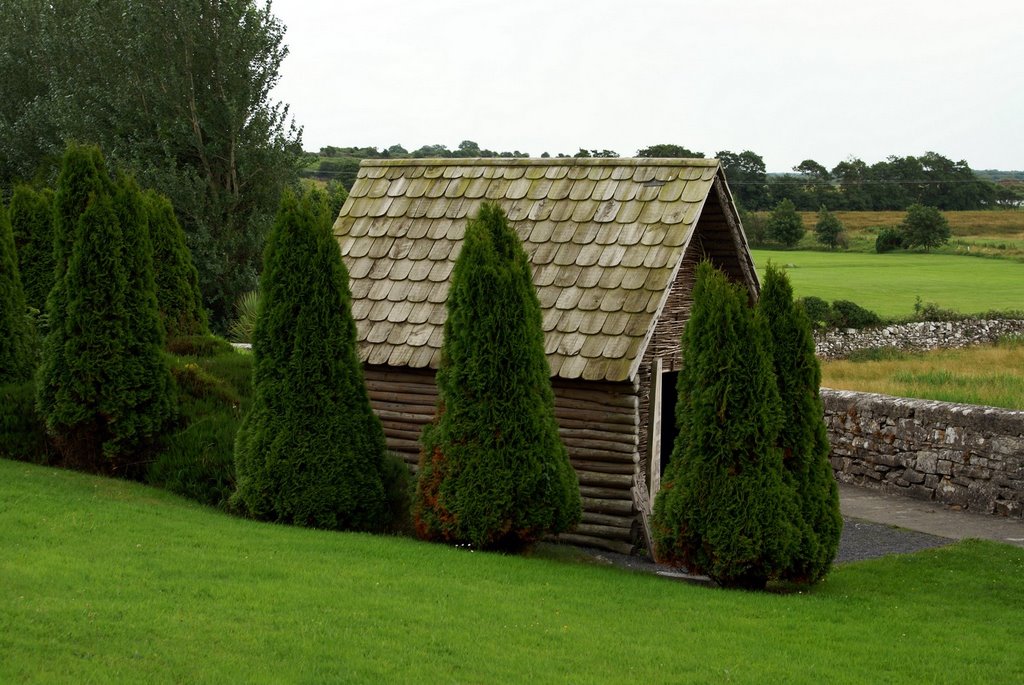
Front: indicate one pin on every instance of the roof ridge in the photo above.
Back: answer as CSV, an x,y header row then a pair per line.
x,y
545,161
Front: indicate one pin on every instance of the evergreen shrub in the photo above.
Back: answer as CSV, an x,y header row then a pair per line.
x,y
32,223
310,451
494,473
22,430
723,509
198,460
17,339
103,387
803,437
177,281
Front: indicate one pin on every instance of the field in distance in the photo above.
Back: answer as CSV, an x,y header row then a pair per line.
x,y
989,233
889,284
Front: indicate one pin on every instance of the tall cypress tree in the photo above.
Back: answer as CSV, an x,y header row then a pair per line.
x,y
16,356
177,281
104,389
310,450
32,223
493,471
803,438
723,509
83,175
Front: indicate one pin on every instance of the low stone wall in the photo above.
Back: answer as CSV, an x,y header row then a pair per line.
x,y
958,454
918,336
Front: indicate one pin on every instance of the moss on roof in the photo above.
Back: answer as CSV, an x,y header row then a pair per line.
x,y
605,238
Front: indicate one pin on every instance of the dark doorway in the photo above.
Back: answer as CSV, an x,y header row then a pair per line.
x,y
669,395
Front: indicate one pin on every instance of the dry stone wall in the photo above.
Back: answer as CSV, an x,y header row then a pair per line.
x,y
958,454
917,336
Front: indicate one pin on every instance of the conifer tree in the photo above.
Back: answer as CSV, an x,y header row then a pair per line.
x,y
32,223
16,362
104,389
723,509
493,471
310,450
803,438
177,281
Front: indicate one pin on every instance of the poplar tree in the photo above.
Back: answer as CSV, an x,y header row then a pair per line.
x,y
310,451
32,223
178,296
104,389
493,471
723,509
16,355
803,438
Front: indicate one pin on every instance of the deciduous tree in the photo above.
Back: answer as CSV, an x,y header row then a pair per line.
x,y
829,229
784,225
924,226
176,92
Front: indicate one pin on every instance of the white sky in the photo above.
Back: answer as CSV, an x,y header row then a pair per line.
x,y
788,79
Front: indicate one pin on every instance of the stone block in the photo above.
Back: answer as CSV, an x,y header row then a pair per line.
x,y
921,492
927,462
912,476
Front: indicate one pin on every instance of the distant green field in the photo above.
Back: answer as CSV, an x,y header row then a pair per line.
x,y
889,283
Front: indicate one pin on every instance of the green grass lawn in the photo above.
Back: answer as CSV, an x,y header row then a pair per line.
x,y
107,581
889,283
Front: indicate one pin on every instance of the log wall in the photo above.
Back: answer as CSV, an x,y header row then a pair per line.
x,y
598,423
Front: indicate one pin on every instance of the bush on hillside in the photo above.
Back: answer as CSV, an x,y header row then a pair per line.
x,y
817,310
803,437
198,346
846,314
213,393
310,451
723,509
888,239
494,473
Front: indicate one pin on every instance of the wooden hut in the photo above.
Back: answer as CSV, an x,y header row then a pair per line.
x,y
613,244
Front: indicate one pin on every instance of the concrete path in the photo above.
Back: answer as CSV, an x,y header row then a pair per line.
x,y
928,517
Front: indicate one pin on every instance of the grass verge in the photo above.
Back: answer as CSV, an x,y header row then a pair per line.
x,y
990,375
112,581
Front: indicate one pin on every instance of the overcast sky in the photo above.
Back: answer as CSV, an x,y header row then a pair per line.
x,y
788,79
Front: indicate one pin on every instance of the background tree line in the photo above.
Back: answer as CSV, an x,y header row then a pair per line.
x,y
852,185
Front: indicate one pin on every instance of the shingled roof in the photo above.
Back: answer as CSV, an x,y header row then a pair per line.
x,y
605,237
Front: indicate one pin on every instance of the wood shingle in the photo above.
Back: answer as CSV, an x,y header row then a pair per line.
x,y
605,239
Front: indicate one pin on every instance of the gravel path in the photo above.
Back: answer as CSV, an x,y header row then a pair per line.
x,y
860,540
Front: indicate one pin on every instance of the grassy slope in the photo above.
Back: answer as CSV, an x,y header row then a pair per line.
x,y
991,375
110,581
889,283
